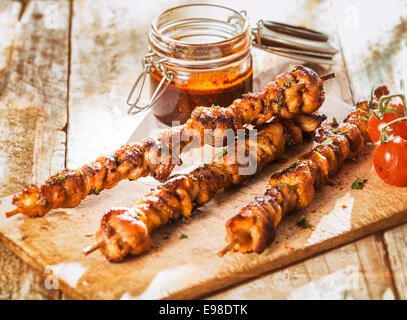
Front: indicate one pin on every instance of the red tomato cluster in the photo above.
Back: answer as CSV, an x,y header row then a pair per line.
x,y
390,157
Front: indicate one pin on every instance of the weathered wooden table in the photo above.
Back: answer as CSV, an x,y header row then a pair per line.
x,y
65,71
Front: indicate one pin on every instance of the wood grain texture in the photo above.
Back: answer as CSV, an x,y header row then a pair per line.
x,y
376,53
353,271
108,42
33,92
396,244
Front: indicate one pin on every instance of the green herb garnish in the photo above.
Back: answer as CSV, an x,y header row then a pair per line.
x,y
334,121
318,154
303,223
80,172
280,100
291,67
222,153
293,187
205,165
358,183
215,107
96,191
60,177
183,236
335,130
292,165
280,184
327,142
287,84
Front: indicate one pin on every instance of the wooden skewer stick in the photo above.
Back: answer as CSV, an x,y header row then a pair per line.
x,y
91,248
328,76
11,213
226,249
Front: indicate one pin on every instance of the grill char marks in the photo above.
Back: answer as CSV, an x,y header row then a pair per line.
x,y
292,94
181,194
253,228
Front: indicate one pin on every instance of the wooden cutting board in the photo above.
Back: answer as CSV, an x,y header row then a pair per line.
x,y
189,268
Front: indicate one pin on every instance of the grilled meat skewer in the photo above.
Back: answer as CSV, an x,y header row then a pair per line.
x,y
127,230
291,94
254,227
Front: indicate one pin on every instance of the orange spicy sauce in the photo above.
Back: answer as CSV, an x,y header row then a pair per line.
x,y
199,89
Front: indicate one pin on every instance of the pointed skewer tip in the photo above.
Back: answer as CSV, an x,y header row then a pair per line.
x,y
91,248
328,76
227,248
11,213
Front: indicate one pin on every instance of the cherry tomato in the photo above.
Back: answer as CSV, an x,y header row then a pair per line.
x,y
390,161
375,125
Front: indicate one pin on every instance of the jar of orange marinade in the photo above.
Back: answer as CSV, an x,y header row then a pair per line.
x,y
199,56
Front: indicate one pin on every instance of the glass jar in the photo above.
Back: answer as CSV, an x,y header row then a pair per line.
x,y
199,56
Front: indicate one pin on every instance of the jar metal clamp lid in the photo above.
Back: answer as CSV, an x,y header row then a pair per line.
x,y
147,63
278,38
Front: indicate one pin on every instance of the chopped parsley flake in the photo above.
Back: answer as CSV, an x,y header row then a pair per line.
x,y
280,100
291,67
280,184
222,153
361,110
303,223
292,165
215,107
327,142
358,183
287,84
183,236
293,187
334,121
80,172
96,191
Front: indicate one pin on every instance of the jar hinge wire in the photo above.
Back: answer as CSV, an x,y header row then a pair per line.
x,y
168,76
